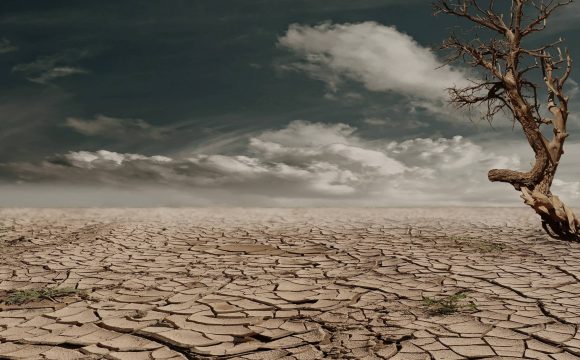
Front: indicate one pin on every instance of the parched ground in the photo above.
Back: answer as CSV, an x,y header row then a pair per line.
x,y
287,284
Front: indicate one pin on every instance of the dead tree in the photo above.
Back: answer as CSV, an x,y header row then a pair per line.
x,y
514,78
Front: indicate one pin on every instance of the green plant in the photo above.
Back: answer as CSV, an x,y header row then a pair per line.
x,y
480,246
3,231
457,239
490,247
19,297
449,304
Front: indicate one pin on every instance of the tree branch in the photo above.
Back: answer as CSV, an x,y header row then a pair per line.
x,y
508,86
539,23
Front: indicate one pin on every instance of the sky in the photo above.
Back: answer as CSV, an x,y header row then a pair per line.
x,y
250,103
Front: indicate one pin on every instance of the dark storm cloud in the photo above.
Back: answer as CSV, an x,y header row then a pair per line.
x,y
144,87
6,46
566,19
207,66
49,67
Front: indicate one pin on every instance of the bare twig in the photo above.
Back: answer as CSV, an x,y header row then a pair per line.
x,y
509,87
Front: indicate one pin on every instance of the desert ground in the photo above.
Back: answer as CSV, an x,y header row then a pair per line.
x,y
285,284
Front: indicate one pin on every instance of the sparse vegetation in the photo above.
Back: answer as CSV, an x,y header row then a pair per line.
x,y
478,245
490,247
449,304
3,231
458,239
20,297
7,236
16,240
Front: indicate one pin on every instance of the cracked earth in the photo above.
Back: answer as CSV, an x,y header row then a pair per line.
x,y
288,284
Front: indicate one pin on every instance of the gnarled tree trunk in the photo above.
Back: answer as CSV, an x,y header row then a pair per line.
x,y
505,88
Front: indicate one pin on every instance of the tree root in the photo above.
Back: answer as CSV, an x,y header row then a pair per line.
x,y
558,220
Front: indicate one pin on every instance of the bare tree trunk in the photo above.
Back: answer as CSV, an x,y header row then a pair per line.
x,y
505,88
558,220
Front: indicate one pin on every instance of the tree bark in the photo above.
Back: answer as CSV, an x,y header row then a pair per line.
x,y
504,88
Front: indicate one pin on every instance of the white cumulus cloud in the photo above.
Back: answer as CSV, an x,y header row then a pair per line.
x,y
380,57
304,164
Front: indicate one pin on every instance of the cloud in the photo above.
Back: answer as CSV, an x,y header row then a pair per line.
x,y
56,72
380,57
306,164
390,123
28,116
566,18
566,189
6,46
116,128
47,68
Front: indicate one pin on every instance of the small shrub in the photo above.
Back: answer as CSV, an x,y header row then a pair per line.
x,y
449,304
20,297
479,246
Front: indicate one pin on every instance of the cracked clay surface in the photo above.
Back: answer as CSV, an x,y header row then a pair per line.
x,y
288,284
